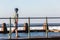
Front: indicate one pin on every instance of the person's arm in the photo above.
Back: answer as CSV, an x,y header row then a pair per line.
x,y
1,29
13,30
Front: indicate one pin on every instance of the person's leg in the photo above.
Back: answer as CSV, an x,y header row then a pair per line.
x,y
16,33
16,29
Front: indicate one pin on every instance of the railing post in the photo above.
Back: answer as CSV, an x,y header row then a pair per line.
x,y
46,28
10,29
28,27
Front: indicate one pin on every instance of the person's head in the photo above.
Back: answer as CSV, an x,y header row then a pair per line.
x,y
4,25
16,10
26,24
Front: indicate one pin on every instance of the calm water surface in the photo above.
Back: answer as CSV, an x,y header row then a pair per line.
x,y
32,34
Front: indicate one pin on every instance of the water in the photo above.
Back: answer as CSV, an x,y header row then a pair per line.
x,y
33,24
32,34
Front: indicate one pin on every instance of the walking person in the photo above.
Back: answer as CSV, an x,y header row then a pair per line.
x,y
16,22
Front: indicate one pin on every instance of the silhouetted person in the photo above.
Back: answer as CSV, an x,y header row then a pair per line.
x,y
4,29
26,27
16,22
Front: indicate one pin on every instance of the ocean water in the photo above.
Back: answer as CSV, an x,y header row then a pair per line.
x,y
32,34
33,24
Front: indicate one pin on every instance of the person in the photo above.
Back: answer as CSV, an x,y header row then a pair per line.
x,y
4,28
16,22
26,27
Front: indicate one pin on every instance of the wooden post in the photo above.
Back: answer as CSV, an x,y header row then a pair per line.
x,y
46,28
28,27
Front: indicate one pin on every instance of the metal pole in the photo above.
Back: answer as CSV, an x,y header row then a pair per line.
x,y
10,29
28,27
46,28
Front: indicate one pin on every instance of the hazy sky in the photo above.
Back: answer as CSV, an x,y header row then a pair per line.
x,y
28,8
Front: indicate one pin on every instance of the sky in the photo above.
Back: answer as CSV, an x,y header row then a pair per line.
x,y
30,8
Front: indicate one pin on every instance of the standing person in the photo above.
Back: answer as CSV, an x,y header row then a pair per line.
x,y
16,22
